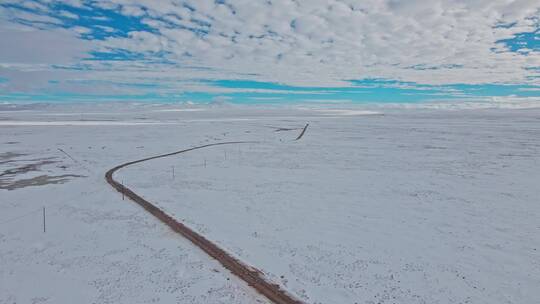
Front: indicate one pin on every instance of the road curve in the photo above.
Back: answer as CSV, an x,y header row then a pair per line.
x,y
252,276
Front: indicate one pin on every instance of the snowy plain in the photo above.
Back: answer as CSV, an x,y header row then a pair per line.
x,y
370,206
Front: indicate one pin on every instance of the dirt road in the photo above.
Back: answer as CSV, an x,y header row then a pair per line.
x,y
252,276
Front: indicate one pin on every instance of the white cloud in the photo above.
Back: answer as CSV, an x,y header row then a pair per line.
x,y
68,15
31,46
529,89
321,42
316,42
27,54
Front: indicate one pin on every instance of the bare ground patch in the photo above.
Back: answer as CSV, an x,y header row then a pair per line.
x,y
17,167
36,181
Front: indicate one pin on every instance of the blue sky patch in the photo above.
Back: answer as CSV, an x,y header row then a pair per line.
x,y
364,91
102,23
523,42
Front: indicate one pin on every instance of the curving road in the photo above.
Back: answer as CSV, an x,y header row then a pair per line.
x,y
252,276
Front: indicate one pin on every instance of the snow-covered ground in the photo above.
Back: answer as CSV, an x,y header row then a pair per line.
x,y
413,206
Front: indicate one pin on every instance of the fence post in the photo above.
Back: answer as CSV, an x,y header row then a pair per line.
x,y
44,219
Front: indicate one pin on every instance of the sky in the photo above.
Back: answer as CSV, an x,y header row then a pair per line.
x,y
269,51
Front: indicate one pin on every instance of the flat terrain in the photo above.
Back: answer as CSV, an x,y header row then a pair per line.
x,y
413,206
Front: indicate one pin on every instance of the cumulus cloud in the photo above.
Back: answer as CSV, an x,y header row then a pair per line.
x,y
326,42
306,43
31,46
